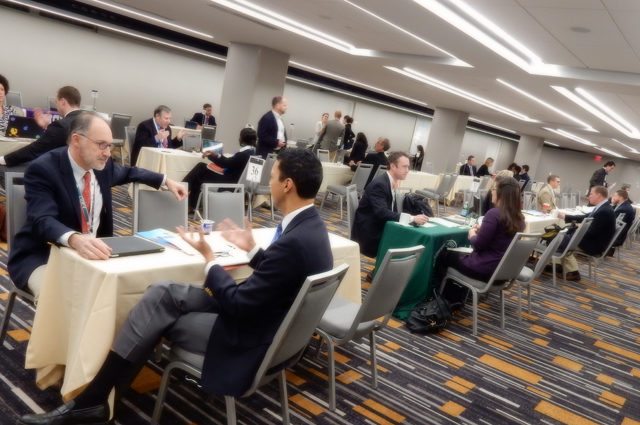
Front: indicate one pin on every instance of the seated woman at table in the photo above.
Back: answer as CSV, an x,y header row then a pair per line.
x,y
221,169
5,110
489,241
358,151
484,168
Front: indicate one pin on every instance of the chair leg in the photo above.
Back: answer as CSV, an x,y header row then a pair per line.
x,y
519,301
341,200
474,296
326,193
250,207
374,359
502,309
230,404
331,364
7,316
197,208
162,393
284,401
553,271
529,297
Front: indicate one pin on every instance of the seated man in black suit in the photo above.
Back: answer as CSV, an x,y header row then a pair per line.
x,y
469,167
376,158
378,205
223,169
622,205
84,173
597,237
231,324
205,117
155,133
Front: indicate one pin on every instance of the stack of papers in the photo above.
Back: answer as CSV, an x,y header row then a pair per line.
x,y
170,239
443,222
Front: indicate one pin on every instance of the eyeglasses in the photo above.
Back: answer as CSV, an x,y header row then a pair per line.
x,y
103,146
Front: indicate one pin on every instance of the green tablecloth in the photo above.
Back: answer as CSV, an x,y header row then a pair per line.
x,y
398,236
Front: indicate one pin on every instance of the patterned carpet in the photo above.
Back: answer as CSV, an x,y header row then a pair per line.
x,y
575,360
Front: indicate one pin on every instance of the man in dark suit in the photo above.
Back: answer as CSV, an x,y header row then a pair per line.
x,y
622,205
155,133
223,169
597,237
271,132
468,168
599,177
376,158
205,117
231,324
378,205
67,102
68,194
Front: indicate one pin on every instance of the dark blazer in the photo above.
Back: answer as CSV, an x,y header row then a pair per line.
x,y
54,137
53,208
358,152
525,177
375,158
483,171
347,137
198,117
598,178
268,134
601,231
629,215
249,314
233,166
374,210
146,136
464,170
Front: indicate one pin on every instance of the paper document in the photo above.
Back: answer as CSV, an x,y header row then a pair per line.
x,y
167,238
443,222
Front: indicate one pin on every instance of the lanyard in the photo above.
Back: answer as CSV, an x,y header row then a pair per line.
x,y
84,210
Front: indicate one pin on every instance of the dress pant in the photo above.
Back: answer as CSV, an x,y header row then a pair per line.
x,y
198,176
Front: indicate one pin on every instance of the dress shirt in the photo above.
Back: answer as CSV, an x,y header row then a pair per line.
x,y
393,192
280,135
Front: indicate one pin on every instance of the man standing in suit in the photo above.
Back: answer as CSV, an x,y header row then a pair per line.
x,y
599,177
68,194
205,117
155,133
469,168
546,199
231,324
622,205
597,237
271,132
378,205
67,102
330,134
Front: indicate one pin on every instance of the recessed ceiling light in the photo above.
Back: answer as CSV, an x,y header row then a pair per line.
x,y
571,136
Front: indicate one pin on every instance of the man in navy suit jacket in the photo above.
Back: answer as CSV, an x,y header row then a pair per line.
x,y
622,205
231,324
53,187
271,132
155,133
205,117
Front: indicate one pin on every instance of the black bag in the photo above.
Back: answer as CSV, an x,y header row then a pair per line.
x,y
550,232
430,316
415,204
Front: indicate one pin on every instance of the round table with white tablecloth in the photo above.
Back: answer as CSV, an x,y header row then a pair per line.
x,y
336,174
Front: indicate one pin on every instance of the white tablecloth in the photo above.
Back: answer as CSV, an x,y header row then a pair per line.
x,y
83,303
536,224
9,144
418,180
462,183
333,173
174,163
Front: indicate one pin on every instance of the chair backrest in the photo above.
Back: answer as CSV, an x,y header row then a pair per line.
x,y
130,132
361,176
575,200
119,123
298,326
323,155
565,200
428,167
527,187
528,201
16,204
266,171
634,226
620,218
250,186
443,183
514,259
352,204
551,248
388,284
578,235
521,183
219,205
14,98
485,181
192,142
616,234
381,170
154,209
452,181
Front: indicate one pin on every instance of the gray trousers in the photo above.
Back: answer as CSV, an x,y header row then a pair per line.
x,y
181,313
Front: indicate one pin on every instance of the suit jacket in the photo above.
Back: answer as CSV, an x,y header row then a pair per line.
x,y
546,195
374,210
146,136
234,166
629,215
348,136
268,134
601,231
54,137
375,158
332,131
464,170
249,314
53,208
483,171
198,117
358,152
598,178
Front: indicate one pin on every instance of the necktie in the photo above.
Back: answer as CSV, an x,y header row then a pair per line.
x,y
86,196
278,233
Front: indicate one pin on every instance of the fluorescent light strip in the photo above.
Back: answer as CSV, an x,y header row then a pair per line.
x,y
310,83
632,150
502,136
586,126
408,72
510,49
610,152
571,136
492,125
631,130
546,142
594,109
114,29
151,18
358,83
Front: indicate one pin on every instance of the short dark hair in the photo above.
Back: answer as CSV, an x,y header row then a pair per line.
x,y
609,164
623,194
601,190
82,122
525,168
301,166
248,137
517,169
206,105
160,109
470,157
348,119
70,94
4,83
385,144
395,156
276,100
552,177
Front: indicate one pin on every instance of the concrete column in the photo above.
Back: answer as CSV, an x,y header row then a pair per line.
x,y
253,76
529,152
445,139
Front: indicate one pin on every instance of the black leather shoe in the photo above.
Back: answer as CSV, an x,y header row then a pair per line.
x,y
573,276
67,414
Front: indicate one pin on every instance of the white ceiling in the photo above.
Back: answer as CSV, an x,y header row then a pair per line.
x,y
595,45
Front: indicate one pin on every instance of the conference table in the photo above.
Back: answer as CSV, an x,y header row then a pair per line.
x,y
83,302
10,144
418,180
174,163
336,174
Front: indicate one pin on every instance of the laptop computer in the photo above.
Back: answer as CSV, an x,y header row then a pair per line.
x,y
191,125
23,127
209,133
122,246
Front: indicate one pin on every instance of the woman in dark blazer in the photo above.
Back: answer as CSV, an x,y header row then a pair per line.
x,y
359,150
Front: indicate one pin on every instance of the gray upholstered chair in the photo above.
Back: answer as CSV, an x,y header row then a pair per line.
x,y
262,188
323,155
228,203
508,270
345,321
441,192
352,204
596,259
285,350
130,131
156,209
381,170
360,178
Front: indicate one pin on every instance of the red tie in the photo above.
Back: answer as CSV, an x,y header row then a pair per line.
x,y
86,195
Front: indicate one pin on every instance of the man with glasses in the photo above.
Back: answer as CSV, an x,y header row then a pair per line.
x,y
68,194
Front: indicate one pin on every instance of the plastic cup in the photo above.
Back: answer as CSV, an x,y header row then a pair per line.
x,y
207,226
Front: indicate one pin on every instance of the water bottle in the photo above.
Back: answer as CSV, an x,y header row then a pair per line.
x,y
465,213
